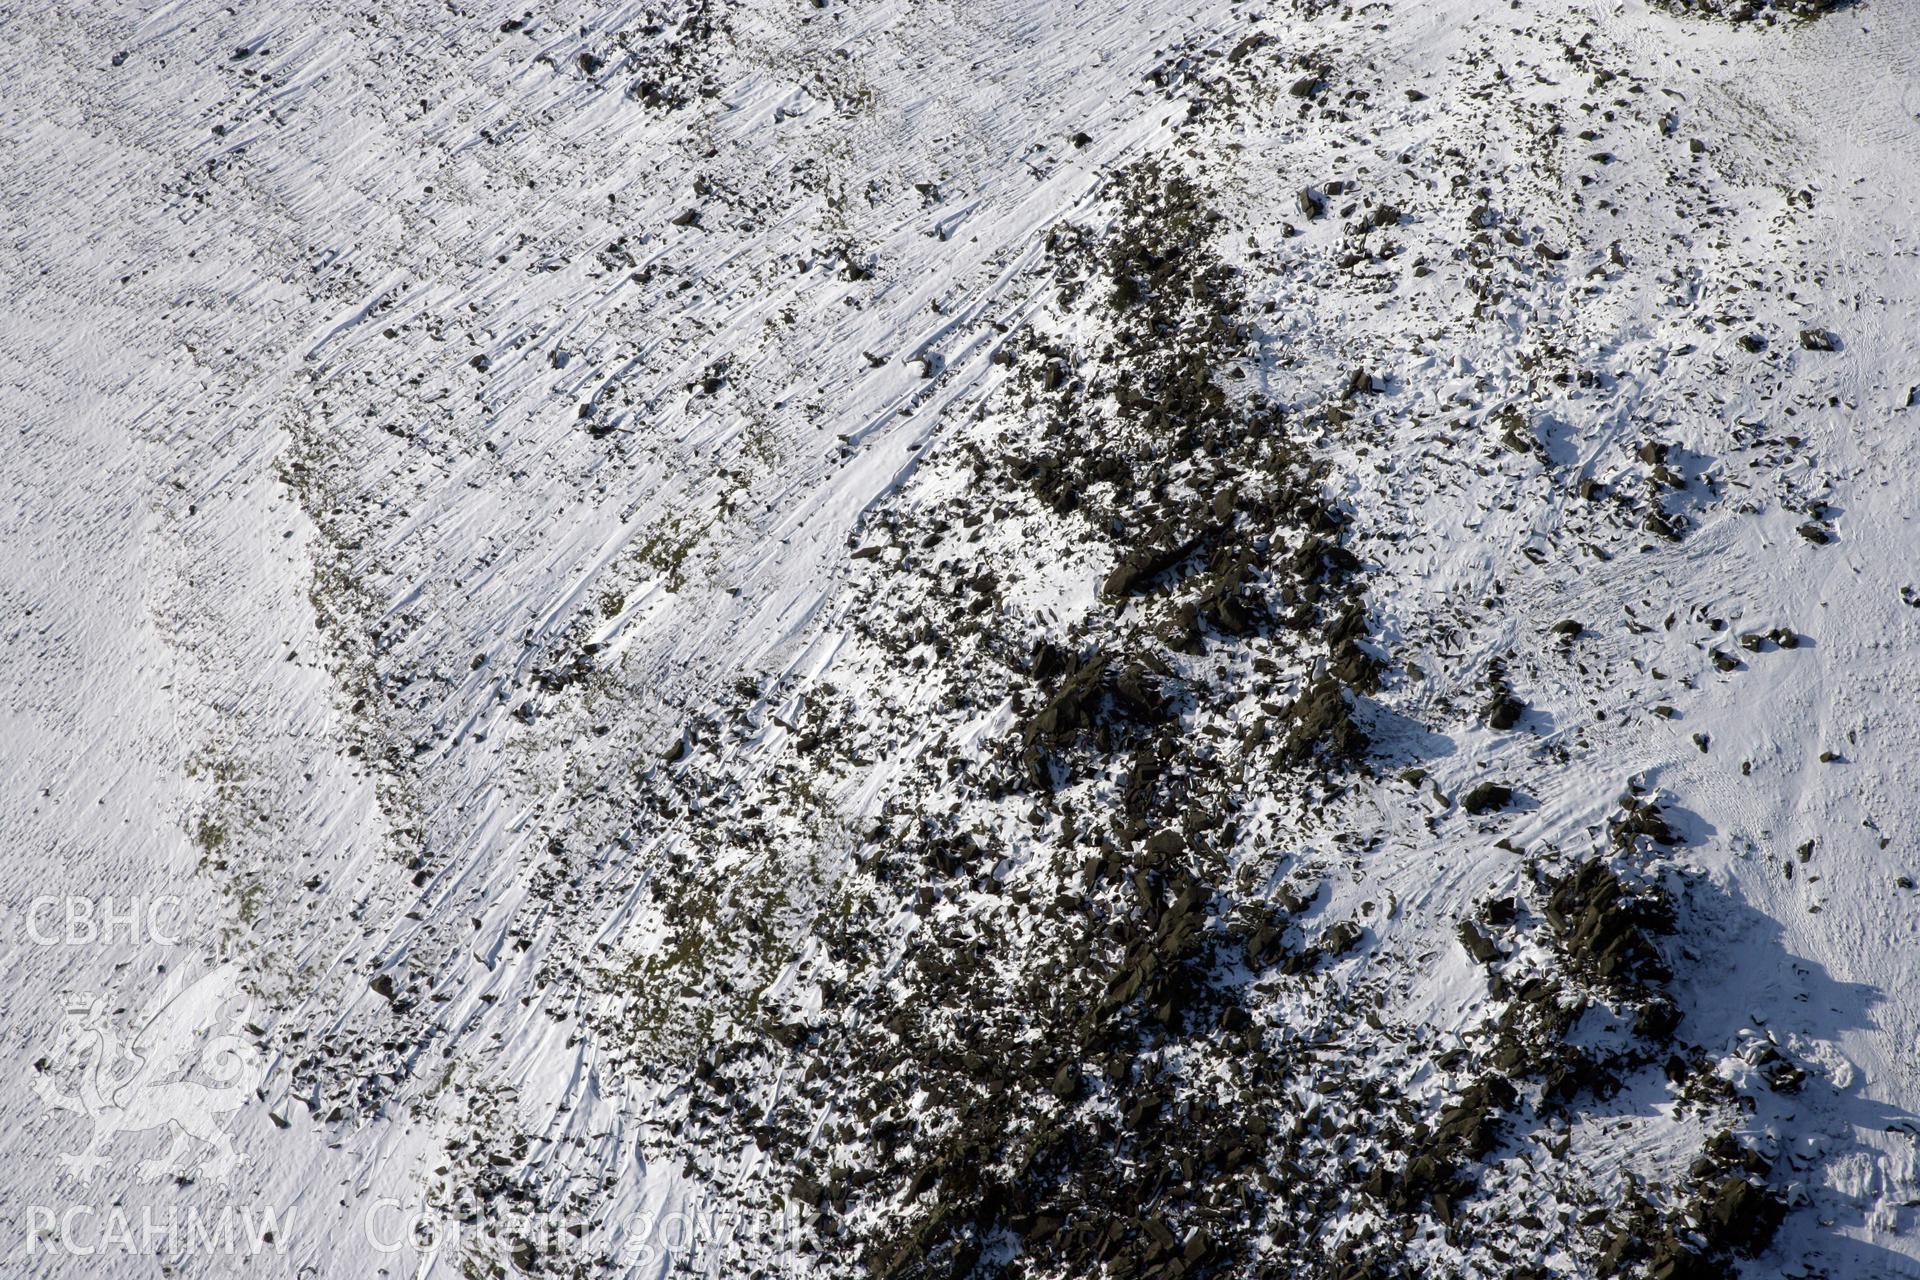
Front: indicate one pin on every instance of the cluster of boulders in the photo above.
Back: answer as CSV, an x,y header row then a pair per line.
x,y
1063,1063
1037,1031
1071,1063
1751,10
1602,920
1727,1212
668,57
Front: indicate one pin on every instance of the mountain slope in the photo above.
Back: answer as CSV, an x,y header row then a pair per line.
x,y
1107,639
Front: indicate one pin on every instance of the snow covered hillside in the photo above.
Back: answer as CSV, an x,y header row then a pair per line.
x,y
830,638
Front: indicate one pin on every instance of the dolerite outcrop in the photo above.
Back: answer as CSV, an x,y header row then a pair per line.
x,y
1078,1003
1074,1016
1090,1076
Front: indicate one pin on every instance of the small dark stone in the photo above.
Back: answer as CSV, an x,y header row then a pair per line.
x,y
1066,1082
1478,944
1486,798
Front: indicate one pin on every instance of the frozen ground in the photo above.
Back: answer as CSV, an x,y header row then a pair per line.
x,y
436,657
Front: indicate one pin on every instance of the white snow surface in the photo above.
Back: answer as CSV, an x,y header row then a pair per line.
x,y
282,567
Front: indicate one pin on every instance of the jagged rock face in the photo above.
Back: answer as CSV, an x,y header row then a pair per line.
x,y
1163,640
